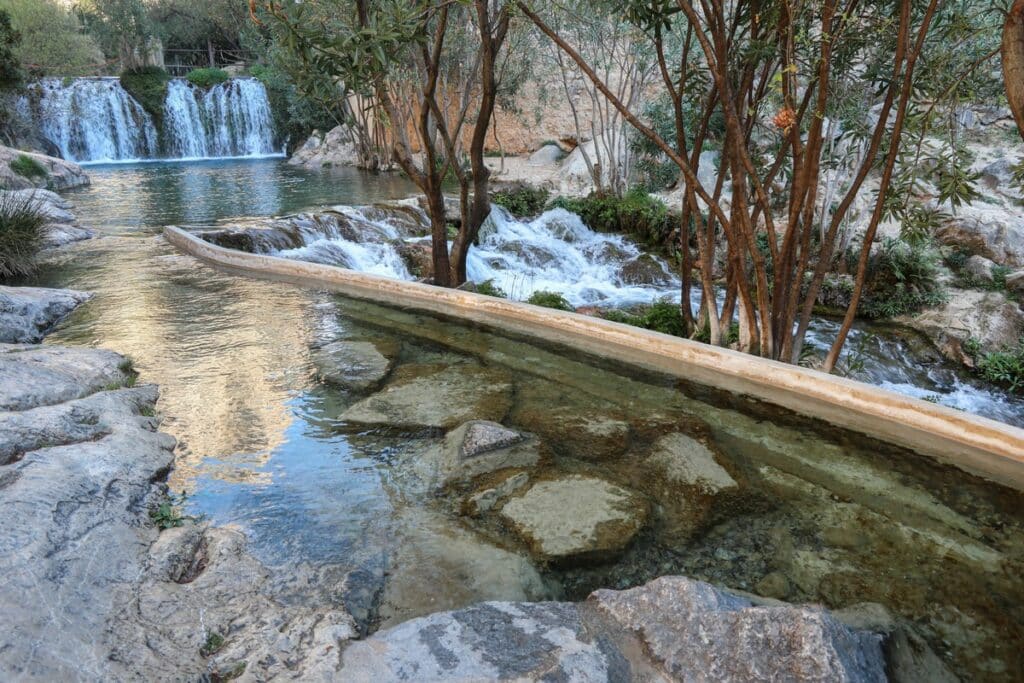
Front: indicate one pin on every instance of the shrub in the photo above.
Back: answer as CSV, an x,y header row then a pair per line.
x,y
52,42
521,200
148,86
902,278
28,167
488,288
206,78
22,229
1004,367
637,213
550,300
661,316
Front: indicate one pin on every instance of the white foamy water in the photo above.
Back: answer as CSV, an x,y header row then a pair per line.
x,y
95,120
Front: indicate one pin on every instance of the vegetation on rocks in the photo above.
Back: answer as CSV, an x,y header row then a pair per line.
x,y
550,300
28,167
902,278
637,213
1004,367
661,316
22,231
148,85
521,200
206,78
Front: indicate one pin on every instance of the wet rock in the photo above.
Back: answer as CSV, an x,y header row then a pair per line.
x,y
418,258
474,449
988,317
486,499
671,629
688,463
570,424
644,270
576,519
355,365
434,397
437,565
979,269
27,314
32,375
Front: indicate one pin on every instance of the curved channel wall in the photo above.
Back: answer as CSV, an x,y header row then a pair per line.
x,y
976,444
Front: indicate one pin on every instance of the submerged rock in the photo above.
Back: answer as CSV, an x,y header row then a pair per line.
x,y
355,365
671,629
27,314
571,425
576,519
438,397
472,450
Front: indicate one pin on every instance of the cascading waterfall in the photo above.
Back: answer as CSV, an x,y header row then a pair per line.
x,y
94,120
557,252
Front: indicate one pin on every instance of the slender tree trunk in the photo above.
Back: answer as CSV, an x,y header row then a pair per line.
x,y
1013,61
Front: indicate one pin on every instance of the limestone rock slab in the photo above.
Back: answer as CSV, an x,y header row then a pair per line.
x,y
355,365
27,314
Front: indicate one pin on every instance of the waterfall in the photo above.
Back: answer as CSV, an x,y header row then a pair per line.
x,y
232,119
93,120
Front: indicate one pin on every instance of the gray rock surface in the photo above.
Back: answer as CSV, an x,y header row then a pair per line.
x,y
355,365
988,317
979,268
325,150
59,174
420,397
29,313
576,519
671,629
33,375
992,231
547,155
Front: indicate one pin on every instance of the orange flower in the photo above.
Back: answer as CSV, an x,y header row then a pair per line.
x,y
785,119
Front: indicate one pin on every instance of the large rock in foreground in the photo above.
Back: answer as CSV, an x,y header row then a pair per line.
x,y
56,174
672,629
27,314
576,518
434,397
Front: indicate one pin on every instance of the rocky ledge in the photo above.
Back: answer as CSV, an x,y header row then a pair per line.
x,y
40,171
29,313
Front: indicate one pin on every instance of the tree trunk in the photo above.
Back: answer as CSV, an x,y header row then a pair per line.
x,y
439,237
211,54
1013,61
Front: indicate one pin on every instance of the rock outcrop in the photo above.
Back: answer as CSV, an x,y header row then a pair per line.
x,y
672,629
989,318
29,313
326,150
46,172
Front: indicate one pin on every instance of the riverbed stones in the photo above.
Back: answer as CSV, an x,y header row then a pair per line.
x,y
474,449
29,313
575,518
672,629
354,365
486,499
434,397
574,428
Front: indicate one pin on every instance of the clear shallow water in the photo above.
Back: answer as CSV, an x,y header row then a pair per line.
x,y
262,446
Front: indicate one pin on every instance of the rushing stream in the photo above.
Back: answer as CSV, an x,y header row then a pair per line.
x,y
818,515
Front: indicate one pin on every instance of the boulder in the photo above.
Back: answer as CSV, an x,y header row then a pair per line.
x,y
987,317
672,629
434,397
644,270
33,375
418,258
998,173
979,269
576,518
58,174
333,149
27,314
354,365
474,449
547,155
1015,282
992,231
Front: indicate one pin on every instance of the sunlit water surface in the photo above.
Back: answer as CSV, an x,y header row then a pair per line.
x,y
261,446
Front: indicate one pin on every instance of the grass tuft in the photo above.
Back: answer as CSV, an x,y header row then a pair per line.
x,y
22,230
27,167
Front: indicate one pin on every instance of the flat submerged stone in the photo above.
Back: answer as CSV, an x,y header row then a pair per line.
x,y
434,397
355,365
576,518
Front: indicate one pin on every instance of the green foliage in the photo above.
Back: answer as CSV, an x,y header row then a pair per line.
x,y
214,643
1004,367
661,316
521,200
638,214
22,229
11,75
167,513
488,288
27,167
51,40
654,170
206,78
148,86
550,300
902,278
121,27
956,182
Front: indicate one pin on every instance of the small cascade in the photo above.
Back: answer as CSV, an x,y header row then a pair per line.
x,y
93,119
232,119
